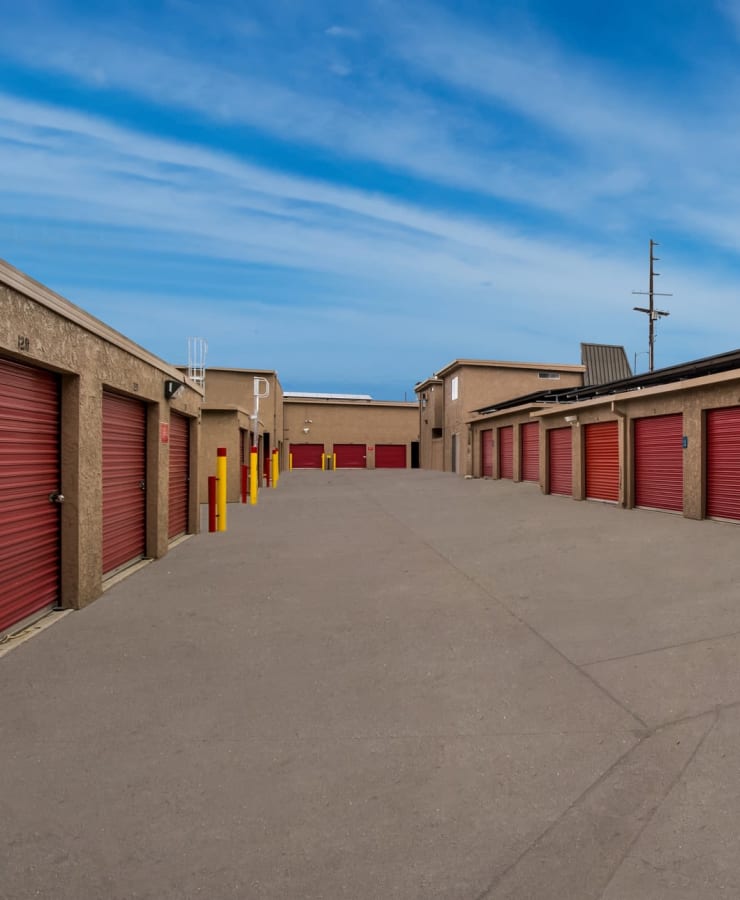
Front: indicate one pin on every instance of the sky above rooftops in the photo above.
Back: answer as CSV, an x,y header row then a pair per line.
x,y
357,194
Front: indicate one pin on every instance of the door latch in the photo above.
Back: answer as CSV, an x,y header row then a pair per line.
x,y
56,497
142,485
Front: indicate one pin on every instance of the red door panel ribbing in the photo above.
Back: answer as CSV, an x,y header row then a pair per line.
x,y
602,461
124,480
560,460
530,451
306,456
506,452
486,453
29,473
179,479
659,462
351,456
723,463
390,456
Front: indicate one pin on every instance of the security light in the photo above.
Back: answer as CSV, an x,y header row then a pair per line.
x,y
172,389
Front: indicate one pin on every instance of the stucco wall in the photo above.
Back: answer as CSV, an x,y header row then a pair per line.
x,y
342,422
692,401
480,386
90,357
495,423
227,410
430,396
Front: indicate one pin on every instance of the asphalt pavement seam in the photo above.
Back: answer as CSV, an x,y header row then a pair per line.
x,y
660,649
643,726
676,780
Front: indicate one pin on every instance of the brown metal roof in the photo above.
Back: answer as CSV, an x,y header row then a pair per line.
x,y
604,363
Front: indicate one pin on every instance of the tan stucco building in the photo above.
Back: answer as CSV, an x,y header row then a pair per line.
x,y
98,459
447,400
361,432
667,440
227,422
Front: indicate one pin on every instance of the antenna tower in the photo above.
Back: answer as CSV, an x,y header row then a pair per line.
x,y
652,313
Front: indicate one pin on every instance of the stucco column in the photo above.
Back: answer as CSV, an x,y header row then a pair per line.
x,y
578,468
82,474
694,480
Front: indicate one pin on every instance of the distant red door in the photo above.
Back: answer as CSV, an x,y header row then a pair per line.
x,y
486,453
659,462
560,459
29,474
529,437
506,452
723,463
306,456
179,478
602,461
124,481
351,456
390,456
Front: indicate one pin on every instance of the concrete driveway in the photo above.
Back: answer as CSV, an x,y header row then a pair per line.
x,y
388,685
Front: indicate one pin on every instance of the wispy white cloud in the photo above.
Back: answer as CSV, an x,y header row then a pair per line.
x,y
385,122
342,31
471,115
395,261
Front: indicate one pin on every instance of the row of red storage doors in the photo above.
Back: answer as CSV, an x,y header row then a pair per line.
x,y
529,449
658,448
349,456
30,485
602,461
658,460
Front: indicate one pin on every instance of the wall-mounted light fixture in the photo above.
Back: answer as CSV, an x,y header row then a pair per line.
x,y
172,389
572,420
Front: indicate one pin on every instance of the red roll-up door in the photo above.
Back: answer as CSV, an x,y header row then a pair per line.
x,y
506,452
124,481
530,451
602,461
560,460
486,453
390,456
351,456
179,475
723,463
659,462
29,474
306,456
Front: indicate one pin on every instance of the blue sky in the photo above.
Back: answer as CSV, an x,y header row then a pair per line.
x,y
356,194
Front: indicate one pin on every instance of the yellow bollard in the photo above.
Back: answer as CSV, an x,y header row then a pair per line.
x,y
323,461
334,461
275,469
290,462
253,477
221,489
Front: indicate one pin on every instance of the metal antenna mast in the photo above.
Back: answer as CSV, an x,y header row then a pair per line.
x,y
653,313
